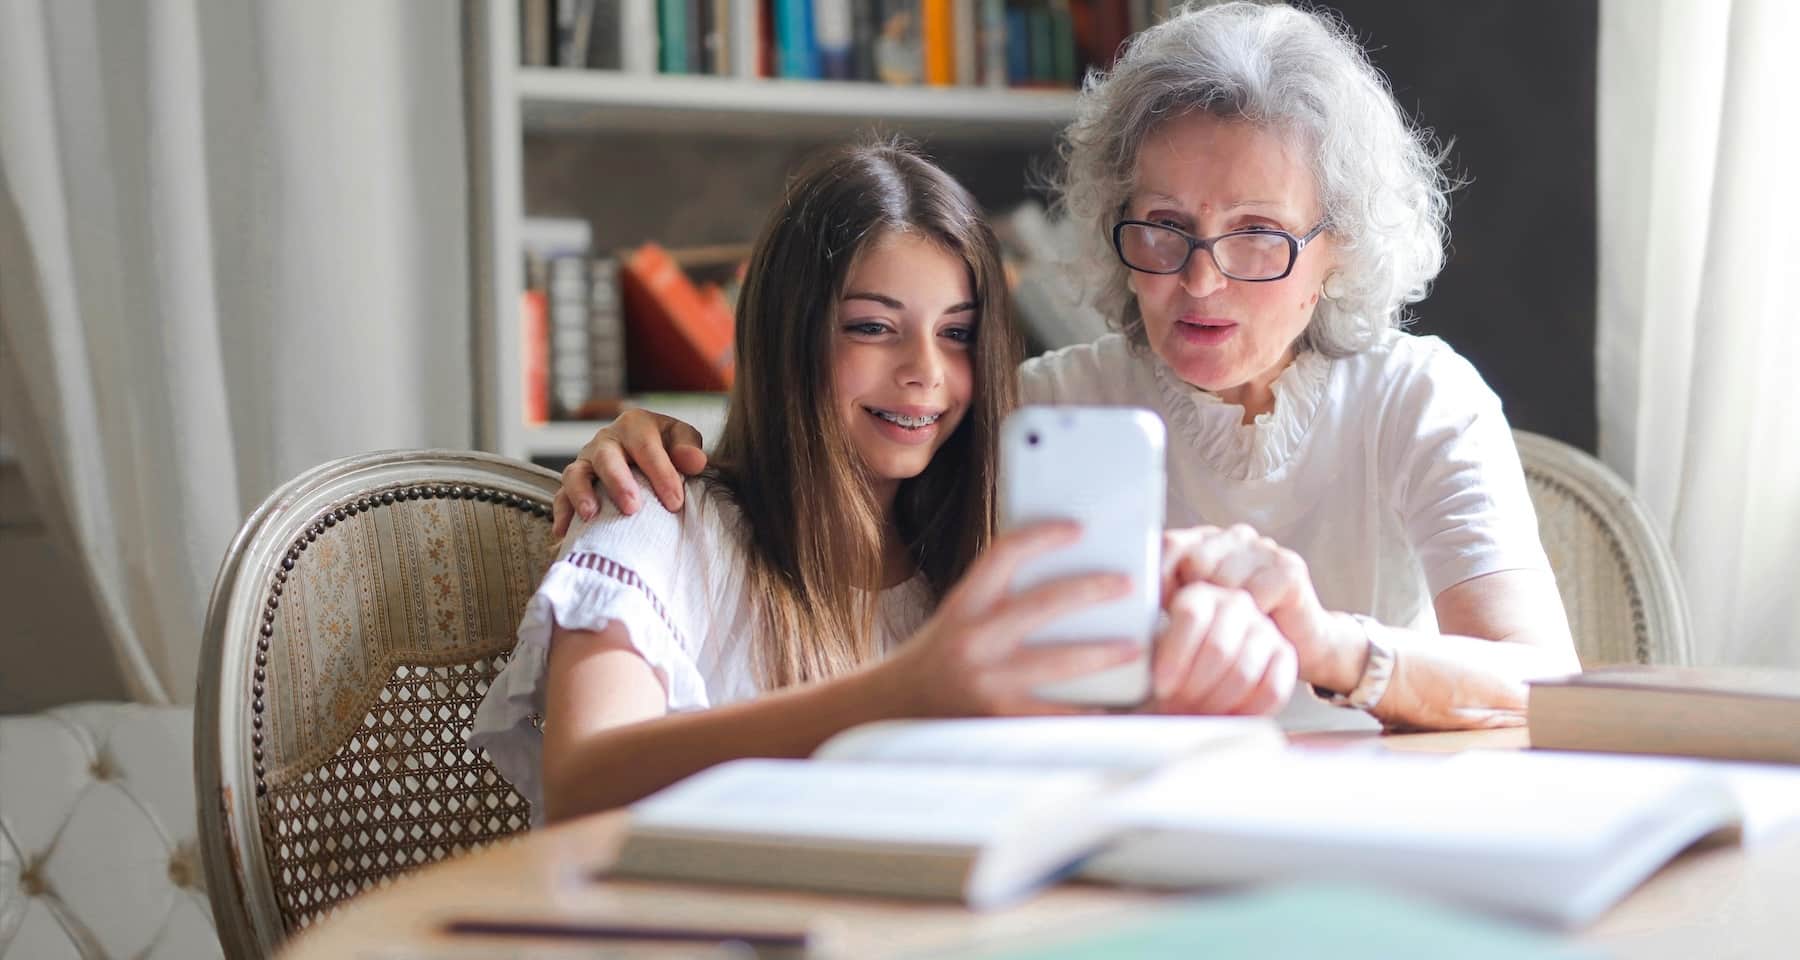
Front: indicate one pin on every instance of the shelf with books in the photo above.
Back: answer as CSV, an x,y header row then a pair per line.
x,y
556,100
557,440
633,153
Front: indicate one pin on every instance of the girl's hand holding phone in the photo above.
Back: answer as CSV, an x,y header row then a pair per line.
x,y
969,658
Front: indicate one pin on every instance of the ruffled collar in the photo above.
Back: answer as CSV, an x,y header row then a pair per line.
x,y
1260,450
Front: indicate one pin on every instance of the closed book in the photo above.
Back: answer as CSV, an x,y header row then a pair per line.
x,y
604,37
534,356
937,29
606,331
1732,713
966,35
796,51
638,51
834,36
672,28
745,36
1018,43
677,336
535,33
865,23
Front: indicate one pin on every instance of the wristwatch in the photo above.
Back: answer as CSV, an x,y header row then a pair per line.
x,y
1378,669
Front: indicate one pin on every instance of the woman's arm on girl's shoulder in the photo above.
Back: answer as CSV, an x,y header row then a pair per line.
x,y
661,447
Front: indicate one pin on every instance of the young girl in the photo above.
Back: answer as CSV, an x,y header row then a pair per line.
x,y
853,487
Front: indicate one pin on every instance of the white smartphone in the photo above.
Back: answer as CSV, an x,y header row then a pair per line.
x,y
1103,468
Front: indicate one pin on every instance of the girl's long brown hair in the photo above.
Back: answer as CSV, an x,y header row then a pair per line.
x,y
813,529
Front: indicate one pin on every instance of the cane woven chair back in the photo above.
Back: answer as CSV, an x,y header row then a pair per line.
x,y
1617,578
357,620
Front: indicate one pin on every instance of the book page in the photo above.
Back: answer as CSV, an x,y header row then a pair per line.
x,y
1118,744
875,802
1561,805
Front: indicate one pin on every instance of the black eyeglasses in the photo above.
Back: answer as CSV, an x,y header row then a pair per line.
x,y
1261,254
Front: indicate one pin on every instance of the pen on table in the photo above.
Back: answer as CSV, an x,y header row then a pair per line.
x,y
782,940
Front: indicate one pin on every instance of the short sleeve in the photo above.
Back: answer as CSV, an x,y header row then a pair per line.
x,y
646,572
1454,470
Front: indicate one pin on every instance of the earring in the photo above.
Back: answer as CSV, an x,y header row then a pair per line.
x,y
1333,287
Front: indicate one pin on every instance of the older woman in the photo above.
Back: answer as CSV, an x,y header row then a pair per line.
x,y
1261,213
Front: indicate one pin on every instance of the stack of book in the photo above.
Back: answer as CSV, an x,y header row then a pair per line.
x,y
598,328
994,43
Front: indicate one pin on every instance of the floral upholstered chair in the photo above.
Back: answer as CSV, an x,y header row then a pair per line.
x,y
356,622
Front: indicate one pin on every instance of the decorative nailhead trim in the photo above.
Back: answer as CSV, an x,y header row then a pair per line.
x,y
329,518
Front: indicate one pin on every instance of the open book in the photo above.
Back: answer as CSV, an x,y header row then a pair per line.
x,y
985,810
978,810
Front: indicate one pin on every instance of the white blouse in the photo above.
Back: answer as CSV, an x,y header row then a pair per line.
x,y
675,582
1392,472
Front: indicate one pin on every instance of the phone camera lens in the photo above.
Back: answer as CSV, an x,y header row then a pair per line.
x,y
1031,439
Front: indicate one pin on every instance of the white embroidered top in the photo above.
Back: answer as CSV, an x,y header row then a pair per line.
x,y
675,582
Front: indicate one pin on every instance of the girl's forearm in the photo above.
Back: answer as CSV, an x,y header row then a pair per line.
x,y
622,764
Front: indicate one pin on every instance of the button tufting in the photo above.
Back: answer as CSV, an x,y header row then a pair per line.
x,y
31,879
184,867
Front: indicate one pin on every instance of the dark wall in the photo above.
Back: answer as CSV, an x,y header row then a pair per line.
x,y
1513,84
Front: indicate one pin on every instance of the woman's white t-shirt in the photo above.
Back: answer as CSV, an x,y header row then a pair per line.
x,y
675,582
1392,472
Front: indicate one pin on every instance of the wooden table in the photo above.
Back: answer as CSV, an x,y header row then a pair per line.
x,y
1714,903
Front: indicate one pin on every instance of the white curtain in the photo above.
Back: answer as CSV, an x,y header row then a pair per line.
x,y
1699,339
233,244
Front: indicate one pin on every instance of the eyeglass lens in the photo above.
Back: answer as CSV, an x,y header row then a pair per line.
x,y
1245,256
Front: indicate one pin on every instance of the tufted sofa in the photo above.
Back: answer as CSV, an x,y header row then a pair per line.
x,y
98,849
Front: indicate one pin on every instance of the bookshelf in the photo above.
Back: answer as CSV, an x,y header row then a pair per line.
x,y
509,104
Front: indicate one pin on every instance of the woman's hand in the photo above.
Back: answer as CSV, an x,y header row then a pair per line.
x,y
1219,655
968,659
1277,583
661,448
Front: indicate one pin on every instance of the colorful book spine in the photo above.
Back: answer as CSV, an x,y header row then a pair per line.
x,y
638,49
937,32
606,331
1018,44
746,38
993,43
833,34
1062,44
534,356
799,56
671,29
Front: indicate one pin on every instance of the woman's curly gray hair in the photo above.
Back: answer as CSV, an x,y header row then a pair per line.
x,y
1303,75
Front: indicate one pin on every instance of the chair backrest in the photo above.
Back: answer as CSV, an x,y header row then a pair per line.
x,y
1617,578
357,620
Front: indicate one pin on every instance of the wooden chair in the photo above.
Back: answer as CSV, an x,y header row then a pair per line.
x,y
357,620
1617,578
